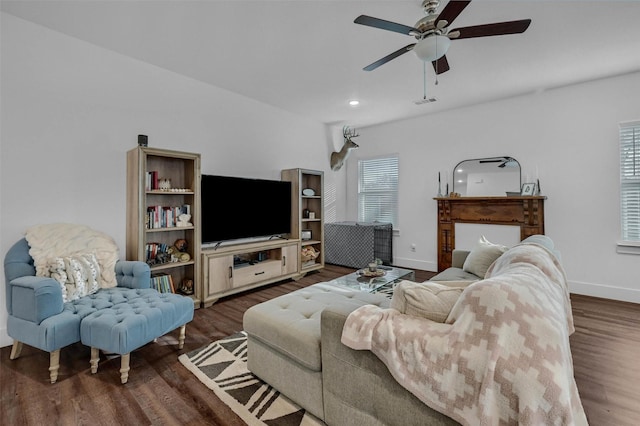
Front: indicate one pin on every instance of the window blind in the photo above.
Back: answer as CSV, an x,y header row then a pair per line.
x,y
630,180
378,190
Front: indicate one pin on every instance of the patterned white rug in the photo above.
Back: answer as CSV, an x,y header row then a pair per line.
x,y
222,367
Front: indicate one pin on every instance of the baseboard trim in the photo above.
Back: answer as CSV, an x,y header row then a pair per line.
x,y
605,291
5,340
423,265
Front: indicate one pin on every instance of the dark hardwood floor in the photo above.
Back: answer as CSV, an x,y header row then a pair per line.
x,y
161,391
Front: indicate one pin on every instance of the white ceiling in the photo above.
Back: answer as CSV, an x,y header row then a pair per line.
x,y
307,56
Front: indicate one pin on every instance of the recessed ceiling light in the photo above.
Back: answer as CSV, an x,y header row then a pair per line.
x,y
354,102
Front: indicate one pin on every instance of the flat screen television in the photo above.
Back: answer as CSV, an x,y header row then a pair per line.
x,y
236,208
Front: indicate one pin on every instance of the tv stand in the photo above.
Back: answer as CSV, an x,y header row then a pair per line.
x,y
235,268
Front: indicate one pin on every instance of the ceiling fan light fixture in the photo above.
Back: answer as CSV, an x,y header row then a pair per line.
x,y
432,48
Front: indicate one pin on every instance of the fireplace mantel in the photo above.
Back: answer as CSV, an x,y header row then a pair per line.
x,y
525,212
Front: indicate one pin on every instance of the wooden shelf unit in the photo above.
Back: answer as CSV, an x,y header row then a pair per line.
x,y
265,262
307,179
183,169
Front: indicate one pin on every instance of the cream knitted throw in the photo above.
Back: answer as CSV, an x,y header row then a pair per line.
x,y
56,240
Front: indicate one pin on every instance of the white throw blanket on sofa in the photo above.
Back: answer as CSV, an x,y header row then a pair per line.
x,y
502,356
56,240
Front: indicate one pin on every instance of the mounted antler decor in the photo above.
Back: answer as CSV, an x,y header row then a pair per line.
x,y
338,158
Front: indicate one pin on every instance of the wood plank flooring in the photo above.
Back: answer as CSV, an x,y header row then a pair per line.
x,y
161,391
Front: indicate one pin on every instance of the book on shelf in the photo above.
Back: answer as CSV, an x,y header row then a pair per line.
x,y
163,283
151,180
153,249
164,216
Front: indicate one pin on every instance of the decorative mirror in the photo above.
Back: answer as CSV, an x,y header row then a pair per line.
x,y
487,177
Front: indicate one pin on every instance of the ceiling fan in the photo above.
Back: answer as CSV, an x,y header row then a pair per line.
x,y
433,33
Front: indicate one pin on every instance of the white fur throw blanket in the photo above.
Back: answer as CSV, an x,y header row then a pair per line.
x,y
56,240
502,356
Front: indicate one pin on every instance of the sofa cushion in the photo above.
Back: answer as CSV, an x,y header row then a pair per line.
x,y
429,300
482,256
454,274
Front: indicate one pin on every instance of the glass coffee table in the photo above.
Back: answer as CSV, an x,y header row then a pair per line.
x,y
381,284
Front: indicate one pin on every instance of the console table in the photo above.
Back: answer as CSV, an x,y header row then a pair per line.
x,y
525,212
264,262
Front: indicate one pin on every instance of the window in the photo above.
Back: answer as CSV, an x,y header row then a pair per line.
x,y
378,190
630,181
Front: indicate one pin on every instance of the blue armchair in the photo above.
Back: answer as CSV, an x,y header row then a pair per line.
x,y
37,314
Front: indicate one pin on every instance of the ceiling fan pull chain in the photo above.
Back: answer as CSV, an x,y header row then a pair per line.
x,y
424,80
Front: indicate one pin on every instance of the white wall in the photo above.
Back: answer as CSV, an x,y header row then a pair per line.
x,y
567,136
71,110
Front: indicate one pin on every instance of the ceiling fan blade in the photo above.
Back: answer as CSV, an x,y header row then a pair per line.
x,y
389,57
370,21
441,65
451,11
486,30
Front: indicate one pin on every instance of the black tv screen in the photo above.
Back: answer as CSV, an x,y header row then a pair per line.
x,y
236,208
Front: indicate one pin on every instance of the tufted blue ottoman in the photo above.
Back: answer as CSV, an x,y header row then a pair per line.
x,y
135,319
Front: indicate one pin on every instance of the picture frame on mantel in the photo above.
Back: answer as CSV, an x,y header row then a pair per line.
x,y
528,189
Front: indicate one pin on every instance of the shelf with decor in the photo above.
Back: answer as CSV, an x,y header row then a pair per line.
x,y
163,223
170,265
186,228
307,215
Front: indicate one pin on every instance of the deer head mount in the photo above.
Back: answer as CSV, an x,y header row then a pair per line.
x,y
338,158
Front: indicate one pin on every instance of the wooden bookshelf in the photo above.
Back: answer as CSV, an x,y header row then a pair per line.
x,y
301,207
144,198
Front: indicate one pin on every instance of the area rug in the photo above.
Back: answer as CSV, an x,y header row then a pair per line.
x,y
222,367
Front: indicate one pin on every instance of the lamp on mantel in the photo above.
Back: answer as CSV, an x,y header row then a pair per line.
x,y
432,48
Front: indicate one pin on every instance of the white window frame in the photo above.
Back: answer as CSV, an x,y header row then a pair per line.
x,y
371,193
629,188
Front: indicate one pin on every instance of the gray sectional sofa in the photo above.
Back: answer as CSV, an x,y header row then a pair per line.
x,y
294,343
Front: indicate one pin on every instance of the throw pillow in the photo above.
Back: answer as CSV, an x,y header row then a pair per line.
x,y
427,300
482,256
78,275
